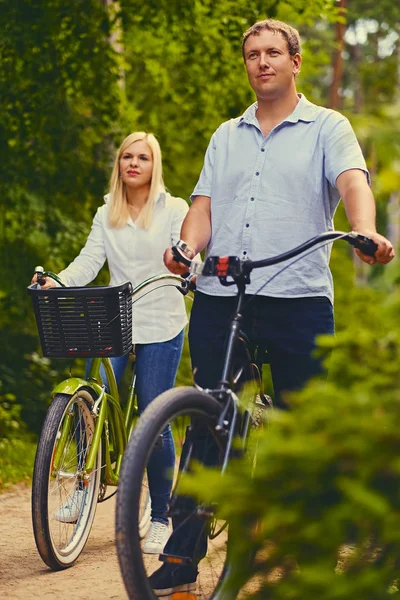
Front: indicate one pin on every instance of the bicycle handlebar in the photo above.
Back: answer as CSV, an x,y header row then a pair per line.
x,y
183,283
361,242
224,266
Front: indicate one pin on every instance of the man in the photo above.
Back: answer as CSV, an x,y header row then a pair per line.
x,y
271,180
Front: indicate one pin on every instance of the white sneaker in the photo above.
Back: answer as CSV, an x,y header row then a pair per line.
x,y
71,510
156,538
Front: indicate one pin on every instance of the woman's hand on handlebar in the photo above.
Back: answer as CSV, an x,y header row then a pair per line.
x,y
50,283
383,254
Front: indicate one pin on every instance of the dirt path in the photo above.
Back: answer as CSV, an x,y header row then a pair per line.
x,y
23,575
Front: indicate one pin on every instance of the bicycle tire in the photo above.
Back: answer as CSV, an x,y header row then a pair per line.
x,y
162,411
59,542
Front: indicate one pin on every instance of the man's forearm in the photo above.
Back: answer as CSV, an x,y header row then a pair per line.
x,y
360,210
196,228
358,201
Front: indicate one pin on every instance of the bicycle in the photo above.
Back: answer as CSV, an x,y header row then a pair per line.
x,y
212,427
85,431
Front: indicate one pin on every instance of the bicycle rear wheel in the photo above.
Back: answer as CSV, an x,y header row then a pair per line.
x,y
186,411
64,496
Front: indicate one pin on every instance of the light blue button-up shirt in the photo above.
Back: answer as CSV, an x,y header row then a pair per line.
x,y
272,193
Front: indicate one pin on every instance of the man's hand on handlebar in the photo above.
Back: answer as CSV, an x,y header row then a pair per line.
x,y
383,254
171,259
171,264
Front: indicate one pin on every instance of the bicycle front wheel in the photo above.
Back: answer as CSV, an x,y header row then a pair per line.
x,y
183,412
64,495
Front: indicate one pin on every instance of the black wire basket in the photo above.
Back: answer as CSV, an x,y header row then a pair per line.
x,y
84,321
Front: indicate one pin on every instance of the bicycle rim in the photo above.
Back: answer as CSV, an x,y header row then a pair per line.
x,y
59,472
176,412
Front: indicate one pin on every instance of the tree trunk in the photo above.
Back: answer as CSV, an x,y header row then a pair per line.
x,y
337,59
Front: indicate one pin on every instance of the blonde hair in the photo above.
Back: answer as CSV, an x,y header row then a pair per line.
x,y
118,213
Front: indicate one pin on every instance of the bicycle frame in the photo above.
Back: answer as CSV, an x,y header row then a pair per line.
x,y
224,392
110,418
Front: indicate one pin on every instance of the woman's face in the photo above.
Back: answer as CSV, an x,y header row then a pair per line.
x,y
136,165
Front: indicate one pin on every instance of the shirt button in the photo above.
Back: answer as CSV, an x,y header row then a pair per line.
x,y
247,224
252,199
257,173
244,252
262,149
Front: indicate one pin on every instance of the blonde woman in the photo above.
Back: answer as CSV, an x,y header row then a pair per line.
x,y
131,231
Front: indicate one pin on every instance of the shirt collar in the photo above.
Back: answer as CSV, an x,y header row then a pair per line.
x,y
304,111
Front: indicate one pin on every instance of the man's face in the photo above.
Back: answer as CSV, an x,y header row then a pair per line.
x,y
270,67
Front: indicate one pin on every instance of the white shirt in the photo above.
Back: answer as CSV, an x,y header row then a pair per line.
x,y
135,254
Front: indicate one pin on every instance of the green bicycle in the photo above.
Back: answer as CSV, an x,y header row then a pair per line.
x,y
86,430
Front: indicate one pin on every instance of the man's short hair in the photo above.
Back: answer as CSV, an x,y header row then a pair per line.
x,y
290,34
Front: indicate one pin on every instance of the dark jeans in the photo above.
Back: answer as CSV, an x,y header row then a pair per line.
x,y
286,328
156,367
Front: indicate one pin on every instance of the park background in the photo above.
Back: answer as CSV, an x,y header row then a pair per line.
x,y
77,77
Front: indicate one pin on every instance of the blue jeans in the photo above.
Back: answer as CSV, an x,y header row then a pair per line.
x,y
156,367
286,328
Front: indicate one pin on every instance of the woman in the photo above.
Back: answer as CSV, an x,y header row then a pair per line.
x,y
131,231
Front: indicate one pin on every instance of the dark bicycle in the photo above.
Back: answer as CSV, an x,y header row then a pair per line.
x,y
209,427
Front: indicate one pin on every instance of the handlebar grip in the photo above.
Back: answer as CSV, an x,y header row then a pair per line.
x,y
365,245
179,257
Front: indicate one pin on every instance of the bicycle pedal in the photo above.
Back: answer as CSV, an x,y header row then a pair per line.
x,y
175,559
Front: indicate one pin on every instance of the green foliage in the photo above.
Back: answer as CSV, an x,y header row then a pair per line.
x,y
17,448
59,92
9,416
16,461
327,474
60,103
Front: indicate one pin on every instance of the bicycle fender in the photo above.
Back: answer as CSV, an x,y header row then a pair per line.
x,y
73,384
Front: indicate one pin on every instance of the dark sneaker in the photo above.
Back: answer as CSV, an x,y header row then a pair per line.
x,y
169,579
